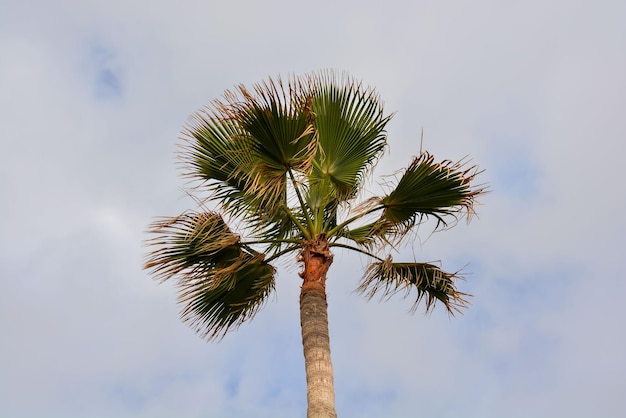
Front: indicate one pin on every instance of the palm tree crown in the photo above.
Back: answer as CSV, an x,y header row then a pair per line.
x,y
285,163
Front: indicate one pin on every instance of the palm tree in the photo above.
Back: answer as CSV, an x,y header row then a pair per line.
x,y
283,165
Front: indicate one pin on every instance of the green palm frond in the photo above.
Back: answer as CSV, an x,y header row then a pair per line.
x,y
278,125
280,137
426,189
215,153
188,245
228,297
223,282
430,283
244,146
350,129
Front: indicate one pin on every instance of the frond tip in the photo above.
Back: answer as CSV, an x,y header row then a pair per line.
x,y
430,282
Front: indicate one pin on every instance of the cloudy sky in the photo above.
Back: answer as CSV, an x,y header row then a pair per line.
x,y
93,96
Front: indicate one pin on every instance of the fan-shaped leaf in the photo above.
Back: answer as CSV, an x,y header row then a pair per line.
x,y
433,189
230,295
428,280
350,128
222,282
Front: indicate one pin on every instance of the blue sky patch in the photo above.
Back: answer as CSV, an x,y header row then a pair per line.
x,y
513,169
107,84
105,71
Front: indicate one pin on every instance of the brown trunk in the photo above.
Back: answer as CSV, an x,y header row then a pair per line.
x,y
314,320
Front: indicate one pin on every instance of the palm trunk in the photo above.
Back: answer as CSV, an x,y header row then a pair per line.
x,y
315,337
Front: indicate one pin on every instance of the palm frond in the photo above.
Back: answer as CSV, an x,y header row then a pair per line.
x,y
233,294
430,283
244,145
278,124
280,139
222,282
188,245
350,129
216,153
426,188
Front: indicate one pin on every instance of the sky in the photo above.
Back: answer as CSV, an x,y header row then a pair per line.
x,y
93,97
